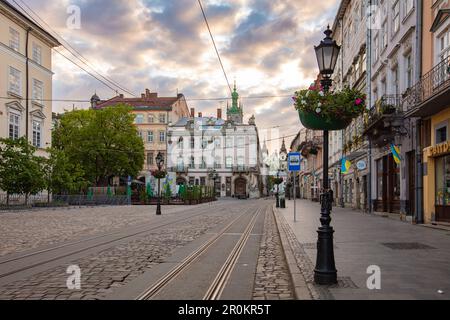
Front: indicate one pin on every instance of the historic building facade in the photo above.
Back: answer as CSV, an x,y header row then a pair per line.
x,y
429,101
213,151
26,78
349,30
309,144
153,115
393,72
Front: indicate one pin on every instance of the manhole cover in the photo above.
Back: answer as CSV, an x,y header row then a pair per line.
x,y
407,246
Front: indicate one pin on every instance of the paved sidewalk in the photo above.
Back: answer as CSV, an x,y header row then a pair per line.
x,y
414,260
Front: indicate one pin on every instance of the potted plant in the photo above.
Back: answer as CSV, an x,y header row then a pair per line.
x,y
320,110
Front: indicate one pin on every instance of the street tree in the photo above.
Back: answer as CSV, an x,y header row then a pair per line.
x,y
105,143
61,175
20,169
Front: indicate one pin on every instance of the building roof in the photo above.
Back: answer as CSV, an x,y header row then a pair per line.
x,y
204,121
8,9
144,103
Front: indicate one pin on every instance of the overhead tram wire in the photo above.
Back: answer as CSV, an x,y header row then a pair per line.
x,y
112,84
193,99
86,61
215,46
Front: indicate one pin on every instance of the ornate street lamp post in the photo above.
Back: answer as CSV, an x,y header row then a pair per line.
x,y
278,190
325,273
160,164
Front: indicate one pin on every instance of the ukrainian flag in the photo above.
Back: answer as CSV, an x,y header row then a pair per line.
x,y
396,154
345,166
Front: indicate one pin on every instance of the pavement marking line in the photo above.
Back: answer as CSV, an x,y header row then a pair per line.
x,y
171,275
216,289
30,266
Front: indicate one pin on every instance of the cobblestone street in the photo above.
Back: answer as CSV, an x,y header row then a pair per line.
x,y
25,230
110,261
273,281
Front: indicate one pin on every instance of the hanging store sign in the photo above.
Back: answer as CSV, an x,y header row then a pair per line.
x,y
361,165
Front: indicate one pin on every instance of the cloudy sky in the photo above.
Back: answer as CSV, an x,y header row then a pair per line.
x,y
164,45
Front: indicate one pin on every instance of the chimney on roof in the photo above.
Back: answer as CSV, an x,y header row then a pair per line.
x,y
147,93
192,113
153,95
219,113
200,115
143,96
121,96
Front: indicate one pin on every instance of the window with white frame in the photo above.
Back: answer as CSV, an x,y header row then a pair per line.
x,y
444,45
38,91
376,48
229,162
162,136
409,71
37,134
14,126
14,39
396,17
15,81
162,118
139,119
408,6
150,137
151,118
37,53
384,36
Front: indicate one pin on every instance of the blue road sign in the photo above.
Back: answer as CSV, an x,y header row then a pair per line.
x,y
294,161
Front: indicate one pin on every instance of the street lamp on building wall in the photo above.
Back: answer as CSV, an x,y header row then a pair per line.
x,y
325,273
160,164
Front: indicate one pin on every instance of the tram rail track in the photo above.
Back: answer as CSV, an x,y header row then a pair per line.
x,y
26,265
219,283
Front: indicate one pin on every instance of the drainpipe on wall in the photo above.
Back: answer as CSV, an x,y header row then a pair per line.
x,y
27,84
419,216
369,96
341,177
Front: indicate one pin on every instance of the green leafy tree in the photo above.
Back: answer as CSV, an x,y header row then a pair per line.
x,y
105,143
21,170
63,176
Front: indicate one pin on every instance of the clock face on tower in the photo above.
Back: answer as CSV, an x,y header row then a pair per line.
x,y
283,157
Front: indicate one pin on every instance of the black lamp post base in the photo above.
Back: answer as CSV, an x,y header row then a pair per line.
x,y
158,209
325,272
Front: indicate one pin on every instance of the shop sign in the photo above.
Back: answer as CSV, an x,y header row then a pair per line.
x,y
440,149
361,165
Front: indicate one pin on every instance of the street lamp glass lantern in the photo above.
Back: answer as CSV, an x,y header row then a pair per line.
x,y
327,53
160,160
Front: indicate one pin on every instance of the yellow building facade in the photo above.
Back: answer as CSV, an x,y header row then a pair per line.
x,y
153,115
430,101
26,78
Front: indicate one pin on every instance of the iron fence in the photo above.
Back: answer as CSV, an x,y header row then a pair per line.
x,y
42,200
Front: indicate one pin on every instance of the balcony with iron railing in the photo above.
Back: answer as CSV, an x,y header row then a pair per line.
x,y
385,120
432,93
244,169
180,169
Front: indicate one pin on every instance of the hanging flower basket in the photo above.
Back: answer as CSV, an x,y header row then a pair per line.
x,y
159,174
315,122
278,181
329,111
